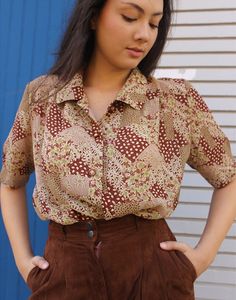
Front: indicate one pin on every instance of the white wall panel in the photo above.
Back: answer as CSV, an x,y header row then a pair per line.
x,y
203,31
227,45
193,74
212,60
205,17
202,49
204,4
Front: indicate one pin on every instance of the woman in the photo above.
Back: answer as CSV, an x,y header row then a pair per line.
x,y
108,143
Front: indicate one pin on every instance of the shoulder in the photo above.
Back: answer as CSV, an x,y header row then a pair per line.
x,y
41,86
43,81
170,85
178,90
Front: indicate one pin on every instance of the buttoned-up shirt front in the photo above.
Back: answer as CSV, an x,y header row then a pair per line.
x,y
130,162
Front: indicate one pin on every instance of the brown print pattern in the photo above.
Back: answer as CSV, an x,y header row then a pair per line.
x,y
131,162
199,103
158,191
39,109
111,198
17,131
170,147
214,154
55,122
78,166
78,92
129,143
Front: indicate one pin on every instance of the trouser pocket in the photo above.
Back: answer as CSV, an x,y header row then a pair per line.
x,y
38,278
181,258
188,264
177,270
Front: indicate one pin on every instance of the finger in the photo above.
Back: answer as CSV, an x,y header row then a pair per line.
x,y
174,245
40,262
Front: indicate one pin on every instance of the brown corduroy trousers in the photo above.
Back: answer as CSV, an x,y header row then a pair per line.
x,y
118,259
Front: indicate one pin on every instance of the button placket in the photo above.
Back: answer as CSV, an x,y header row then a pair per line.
x,y
99,133
104,150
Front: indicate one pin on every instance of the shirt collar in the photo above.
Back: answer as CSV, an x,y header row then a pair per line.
x,y
133,91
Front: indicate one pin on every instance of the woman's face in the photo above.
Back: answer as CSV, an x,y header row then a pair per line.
x,y
126,24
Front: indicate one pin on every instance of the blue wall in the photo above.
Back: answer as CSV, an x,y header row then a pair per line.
x,y
29,34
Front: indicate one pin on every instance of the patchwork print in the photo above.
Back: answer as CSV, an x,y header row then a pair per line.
x,y
130,162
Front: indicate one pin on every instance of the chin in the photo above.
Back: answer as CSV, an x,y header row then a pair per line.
x,y
130,65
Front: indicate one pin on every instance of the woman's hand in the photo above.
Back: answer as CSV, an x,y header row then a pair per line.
x,y
199,261
27,265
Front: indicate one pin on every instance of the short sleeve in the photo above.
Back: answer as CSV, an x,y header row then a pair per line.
x,y
17,157
210,152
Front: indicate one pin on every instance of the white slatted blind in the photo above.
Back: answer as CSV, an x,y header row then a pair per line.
x,y
202,49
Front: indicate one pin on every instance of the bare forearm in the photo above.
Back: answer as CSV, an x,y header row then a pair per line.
x,y
221,216
15,218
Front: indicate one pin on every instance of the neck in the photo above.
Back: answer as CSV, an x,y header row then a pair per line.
x,y
104,79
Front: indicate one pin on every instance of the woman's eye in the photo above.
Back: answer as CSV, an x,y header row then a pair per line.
x,y
128,19
154,26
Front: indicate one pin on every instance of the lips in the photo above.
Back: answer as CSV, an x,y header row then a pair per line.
x,y
136,49
133,52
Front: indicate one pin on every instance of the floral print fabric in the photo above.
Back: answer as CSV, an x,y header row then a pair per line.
x,y
129,162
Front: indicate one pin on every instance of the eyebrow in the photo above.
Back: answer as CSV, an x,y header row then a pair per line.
x,y
140,9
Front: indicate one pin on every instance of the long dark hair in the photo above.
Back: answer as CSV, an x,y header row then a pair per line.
x,y
77,44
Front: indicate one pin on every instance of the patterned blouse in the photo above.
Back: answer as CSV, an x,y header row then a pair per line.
x,y
130,162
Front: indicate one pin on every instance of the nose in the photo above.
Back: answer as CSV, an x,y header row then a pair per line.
x,y
143,32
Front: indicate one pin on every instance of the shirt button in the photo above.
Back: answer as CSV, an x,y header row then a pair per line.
x,y
90,233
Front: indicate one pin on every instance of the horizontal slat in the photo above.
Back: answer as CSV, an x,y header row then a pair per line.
x,y
195,46
205,17
206,4
215,292
191,211
225,260
195,195
233,145
216,88
194,179
202,31
225,119
197,74
201,48
215,60
221,103
228,245
219,276
196,227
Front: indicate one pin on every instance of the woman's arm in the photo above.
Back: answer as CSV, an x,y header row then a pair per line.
x,y
221,216
15,218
